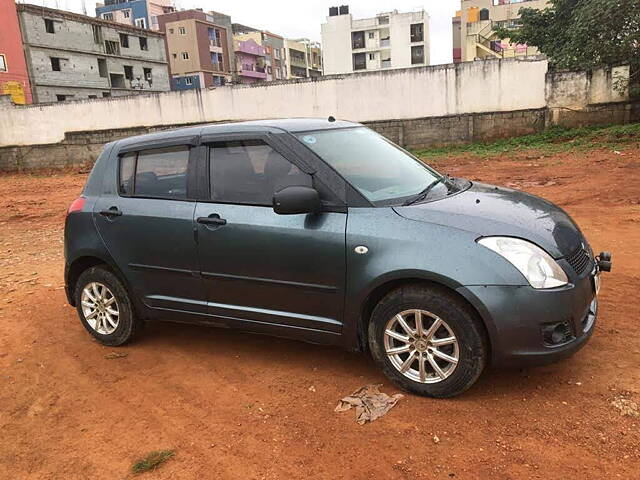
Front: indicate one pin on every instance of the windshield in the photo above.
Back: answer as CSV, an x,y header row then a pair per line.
x,y
382,172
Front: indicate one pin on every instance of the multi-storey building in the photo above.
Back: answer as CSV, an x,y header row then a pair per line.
x,y
139,13
303,58
388,40
250,59
474,27
274,59
197,49
225,21
71,56
14,77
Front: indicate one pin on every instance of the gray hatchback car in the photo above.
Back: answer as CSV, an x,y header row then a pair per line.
x,y
324,231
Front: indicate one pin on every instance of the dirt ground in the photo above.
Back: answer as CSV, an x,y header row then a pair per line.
x,y
234,405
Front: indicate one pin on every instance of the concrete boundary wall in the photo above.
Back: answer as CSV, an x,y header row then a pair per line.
x,y
415,116
474,87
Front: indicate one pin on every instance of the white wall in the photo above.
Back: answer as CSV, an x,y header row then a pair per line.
x,y
473,87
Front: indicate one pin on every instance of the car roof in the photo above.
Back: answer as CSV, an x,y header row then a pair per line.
x,y
292,125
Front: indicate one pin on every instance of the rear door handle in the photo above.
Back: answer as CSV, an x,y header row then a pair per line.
x,y
213,219
112,212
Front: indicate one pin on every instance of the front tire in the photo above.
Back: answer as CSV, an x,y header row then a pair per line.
x,y
427,341
104,307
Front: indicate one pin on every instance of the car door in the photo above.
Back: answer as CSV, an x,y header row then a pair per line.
x,y
259,267
146,223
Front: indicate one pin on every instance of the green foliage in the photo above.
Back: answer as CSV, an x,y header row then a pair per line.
x,y
556,139
152,461
582,34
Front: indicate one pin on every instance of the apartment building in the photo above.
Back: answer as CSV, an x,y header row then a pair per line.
x,y
303,58
197,50
474,27
388,40
250,59
139,13
71,56
274,59
14,76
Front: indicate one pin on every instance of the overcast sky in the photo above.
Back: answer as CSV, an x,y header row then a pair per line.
x,y
302,18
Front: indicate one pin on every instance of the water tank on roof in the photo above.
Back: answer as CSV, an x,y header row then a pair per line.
x,y
333,11
344,9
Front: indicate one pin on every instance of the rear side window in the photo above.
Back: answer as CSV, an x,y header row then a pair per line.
x,y
250,172
159,173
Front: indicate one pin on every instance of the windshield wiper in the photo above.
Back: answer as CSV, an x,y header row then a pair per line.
x,y
423,194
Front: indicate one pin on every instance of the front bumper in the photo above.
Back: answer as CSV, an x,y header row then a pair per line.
x,y
516,316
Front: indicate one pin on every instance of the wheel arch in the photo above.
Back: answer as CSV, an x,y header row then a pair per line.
x,y
84,262
382,288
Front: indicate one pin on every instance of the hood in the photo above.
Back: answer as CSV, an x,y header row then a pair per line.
x,y
492,211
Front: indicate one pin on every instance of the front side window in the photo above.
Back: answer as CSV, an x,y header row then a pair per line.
x,y
250,172
382,172
3,63
158,173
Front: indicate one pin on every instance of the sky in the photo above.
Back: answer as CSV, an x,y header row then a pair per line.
x,y
302,18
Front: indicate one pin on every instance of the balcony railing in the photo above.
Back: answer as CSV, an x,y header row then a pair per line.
x,y
386,63
385,42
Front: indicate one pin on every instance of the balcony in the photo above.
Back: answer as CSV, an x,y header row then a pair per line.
x,y
249,47
385,42
252,71
385,63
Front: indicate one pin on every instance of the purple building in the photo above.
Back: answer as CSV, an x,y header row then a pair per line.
x,y
250,61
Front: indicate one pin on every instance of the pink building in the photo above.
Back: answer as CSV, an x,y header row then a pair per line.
x,y
14,77
139,13
250,61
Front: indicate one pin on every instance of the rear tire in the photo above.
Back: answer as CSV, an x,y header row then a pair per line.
x,y
441,358
104,307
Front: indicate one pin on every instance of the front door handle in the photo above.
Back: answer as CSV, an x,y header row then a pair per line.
x,y
112,212
213,219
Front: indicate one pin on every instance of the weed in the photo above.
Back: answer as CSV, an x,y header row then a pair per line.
x,y
553,140
152,461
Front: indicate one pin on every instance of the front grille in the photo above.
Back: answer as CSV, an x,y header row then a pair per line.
x,y
579,259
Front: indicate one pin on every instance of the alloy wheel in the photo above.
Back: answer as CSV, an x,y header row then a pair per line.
x,y
421,346
100,308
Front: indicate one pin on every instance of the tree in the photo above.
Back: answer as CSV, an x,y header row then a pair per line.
x,y
582,34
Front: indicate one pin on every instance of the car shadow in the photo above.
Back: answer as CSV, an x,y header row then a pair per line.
x,y
356,369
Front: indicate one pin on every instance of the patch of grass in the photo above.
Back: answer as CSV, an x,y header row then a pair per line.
x,y
556,139
152,461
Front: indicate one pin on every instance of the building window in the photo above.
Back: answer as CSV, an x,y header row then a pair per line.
x,y
61,98
185,55
417,54
55,64
141,22
188,81
106,94
175,55
357,40
111,47
126,13
128,72
359,61
143,43
97,33
117,80
93,97
171,30
49,26
182,31
107,16
372,56
124,40
383,20
102,68
154,20
372,34
417,32
3,63
148,76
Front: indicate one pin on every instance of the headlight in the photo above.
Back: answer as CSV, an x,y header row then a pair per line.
x,y
537,266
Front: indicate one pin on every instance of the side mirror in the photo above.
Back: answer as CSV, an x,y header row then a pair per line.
x,y
296,199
